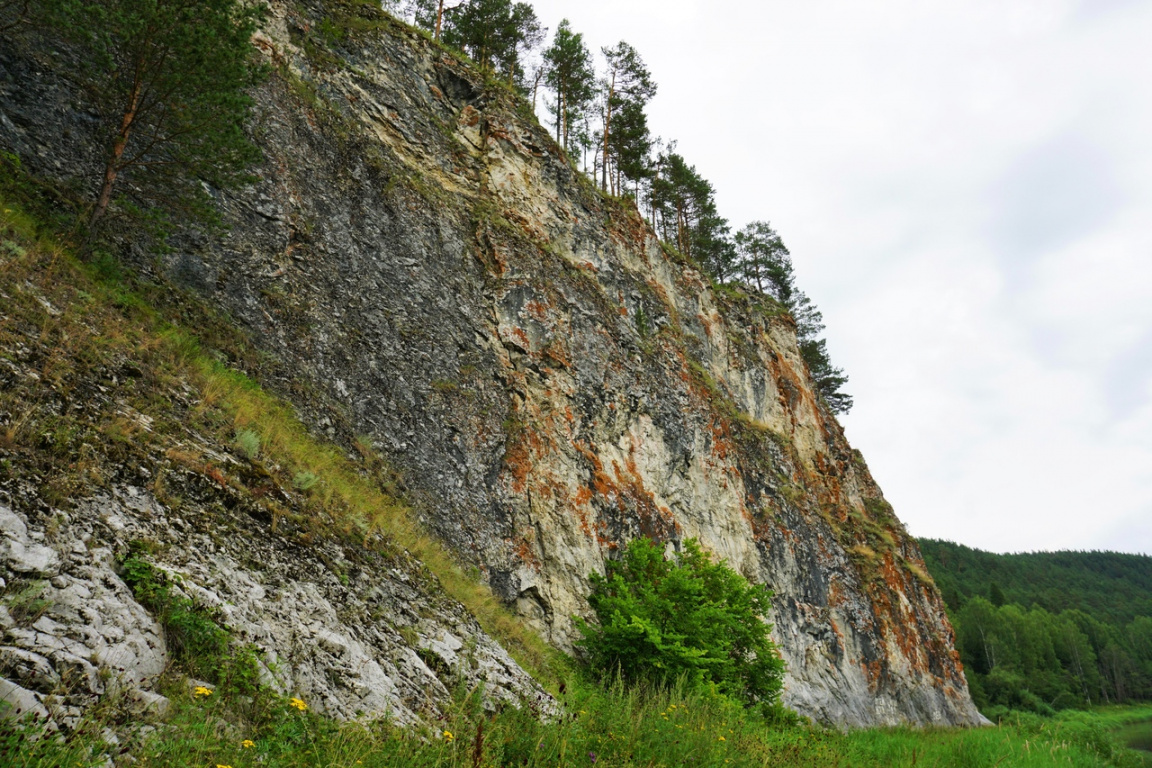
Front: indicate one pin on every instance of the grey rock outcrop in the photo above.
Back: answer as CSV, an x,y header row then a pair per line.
x,y
353,638
550,381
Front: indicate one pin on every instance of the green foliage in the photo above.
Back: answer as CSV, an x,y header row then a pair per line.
x,y
570,74
627,87
496,34
603,727
26,603
248,444
196,642
764,263
1079,642
171,79
663,619
1085,638
684,212
1111,587
304,481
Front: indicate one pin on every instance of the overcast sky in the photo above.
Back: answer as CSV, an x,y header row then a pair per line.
x,y
966,189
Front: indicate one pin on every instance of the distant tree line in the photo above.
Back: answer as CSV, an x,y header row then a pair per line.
x,y
598,115
1049,630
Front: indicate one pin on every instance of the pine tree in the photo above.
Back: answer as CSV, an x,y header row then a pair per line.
x,y
173,74
764,263
627,87
570,75
429,14
685,213
996,595
630,147
496,34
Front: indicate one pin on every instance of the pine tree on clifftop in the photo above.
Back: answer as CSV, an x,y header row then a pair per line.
x,y
569,73
625,141
496,34
764,263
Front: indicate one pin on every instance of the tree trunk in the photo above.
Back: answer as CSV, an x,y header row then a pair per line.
x,y
607,127
564,118
559,111
989,653
112,168
439,17
536,86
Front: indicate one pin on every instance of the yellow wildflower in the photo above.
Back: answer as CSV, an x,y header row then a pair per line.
x,y
201,691
448,736
723,739
298,703
247,743
222,766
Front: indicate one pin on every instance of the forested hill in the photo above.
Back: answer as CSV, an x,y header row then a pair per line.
x,y
1109,586
1045,631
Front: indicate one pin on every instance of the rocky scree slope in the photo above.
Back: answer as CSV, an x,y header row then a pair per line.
x,y
550,380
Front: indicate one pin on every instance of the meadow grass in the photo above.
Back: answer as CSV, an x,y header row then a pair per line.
x,y
603,727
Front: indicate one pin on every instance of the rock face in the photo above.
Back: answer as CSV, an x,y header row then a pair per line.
x,y
353,635
549,379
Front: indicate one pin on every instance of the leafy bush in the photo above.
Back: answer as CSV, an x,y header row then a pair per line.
x,y
661,620
303,481
196,641
248,443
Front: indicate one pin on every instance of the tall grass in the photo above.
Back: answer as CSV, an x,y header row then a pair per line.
x,y
611,727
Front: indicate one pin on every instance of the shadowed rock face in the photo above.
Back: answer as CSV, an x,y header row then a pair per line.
x,y
548,379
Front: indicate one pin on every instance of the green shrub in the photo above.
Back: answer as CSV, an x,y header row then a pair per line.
x,y
303,481
248,443
662,620
196,642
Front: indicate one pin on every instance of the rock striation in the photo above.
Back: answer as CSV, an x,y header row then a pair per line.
x,y
550,380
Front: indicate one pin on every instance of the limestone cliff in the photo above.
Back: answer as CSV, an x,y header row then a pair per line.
x,y
550,381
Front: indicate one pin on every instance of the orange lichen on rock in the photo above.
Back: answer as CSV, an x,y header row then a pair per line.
x,y
523,550
519,464
557,351
537,310
722,445
522,337
656,521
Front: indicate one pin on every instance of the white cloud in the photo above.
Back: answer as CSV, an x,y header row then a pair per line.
x,y
966,190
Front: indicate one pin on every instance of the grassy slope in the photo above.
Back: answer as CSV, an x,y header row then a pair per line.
x,y
86,321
